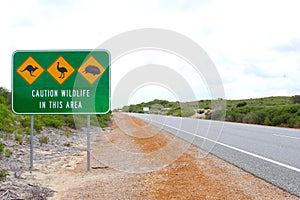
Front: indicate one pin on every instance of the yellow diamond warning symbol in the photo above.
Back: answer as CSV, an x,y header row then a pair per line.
x,y
30,70
91,70
60,70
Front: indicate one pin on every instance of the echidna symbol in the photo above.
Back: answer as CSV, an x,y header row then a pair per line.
x,y
91,69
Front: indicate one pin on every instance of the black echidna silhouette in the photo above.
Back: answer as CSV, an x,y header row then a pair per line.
x,y
30,69
62,70
92,70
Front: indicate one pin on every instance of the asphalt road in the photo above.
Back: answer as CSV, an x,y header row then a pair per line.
x,y
268,152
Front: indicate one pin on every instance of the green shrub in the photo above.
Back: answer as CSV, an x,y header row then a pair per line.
x,y
2,100
206,107
187,111
175,112
68,134
171,112
69,121
295,99
3,174
281,120
251,118
25,121
267,121
297,123
6,95
44,140
53,121
218,115
19,131
241,104
2,147
81,120
37,125
136,108
279,115
7,121
234,116
8,153
19,139
22,130
27,131
294,122
201,111
103,119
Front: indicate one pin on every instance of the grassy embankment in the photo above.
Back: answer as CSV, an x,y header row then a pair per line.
x,y
271,111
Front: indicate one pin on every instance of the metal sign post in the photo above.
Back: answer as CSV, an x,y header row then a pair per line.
x,y
88,143
31,140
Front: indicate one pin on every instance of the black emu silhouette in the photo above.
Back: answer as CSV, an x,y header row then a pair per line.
x,y
30,69
62,70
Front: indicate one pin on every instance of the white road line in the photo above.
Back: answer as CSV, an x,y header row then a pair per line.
x,y
237,149
286,136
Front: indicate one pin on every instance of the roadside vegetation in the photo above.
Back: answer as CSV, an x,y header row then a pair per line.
x,y
271,111
54,134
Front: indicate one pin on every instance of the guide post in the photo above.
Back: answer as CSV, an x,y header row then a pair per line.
x,y
31,140
88,143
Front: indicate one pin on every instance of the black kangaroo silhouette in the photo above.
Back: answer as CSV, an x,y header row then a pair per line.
x,y
30,69
62,70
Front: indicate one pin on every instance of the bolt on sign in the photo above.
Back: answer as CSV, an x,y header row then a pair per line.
x,y
61,82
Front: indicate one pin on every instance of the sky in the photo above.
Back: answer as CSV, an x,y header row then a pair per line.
x,y
254,44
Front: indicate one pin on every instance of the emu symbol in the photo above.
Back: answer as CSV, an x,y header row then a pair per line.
x,y
62,71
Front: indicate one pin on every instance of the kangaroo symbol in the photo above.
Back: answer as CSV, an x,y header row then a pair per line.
x,y
30,69
62,70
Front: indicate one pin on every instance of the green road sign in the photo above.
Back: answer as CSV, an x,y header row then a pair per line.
x,y
61,82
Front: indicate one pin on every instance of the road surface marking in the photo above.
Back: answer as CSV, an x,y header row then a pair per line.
x,y
237,149
286,136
